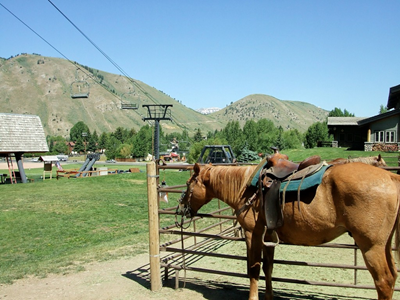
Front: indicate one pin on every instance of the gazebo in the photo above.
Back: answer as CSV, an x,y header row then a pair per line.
x,y
20,134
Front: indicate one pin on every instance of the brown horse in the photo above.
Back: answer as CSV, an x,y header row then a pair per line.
x,y
376,161
356,198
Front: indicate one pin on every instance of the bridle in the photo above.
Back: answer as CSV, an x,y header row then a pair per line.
x,y
187,209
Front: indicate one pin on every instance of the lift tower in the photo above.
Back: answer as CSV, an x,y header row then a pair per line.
x,y
156,113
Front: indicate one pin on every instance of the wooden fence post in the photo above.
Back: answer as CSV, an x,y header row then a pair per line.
x,y
154,238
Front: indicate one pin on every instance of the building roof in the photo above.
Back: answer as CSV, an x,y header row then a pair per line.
x,y
344,121
49,158
394,97
379,117
21,133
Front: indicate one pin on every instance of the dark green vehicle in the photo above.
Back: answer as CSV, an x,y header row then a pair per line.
x,y
217,154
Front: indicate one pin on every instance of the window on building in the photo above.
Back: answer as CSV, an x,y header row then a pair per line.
x,y
385,136
379,137
390,137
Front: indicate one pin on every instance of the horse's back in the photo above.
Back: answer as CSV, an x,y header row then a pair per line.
x,y
363,194
357,174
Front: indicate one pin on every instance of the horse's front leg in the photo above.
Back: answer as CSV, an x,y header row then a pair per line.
x,y
254,248
268,264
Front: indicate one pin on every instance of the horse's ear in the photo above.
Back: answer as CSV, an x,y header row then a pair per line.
x,y
196,169
379,157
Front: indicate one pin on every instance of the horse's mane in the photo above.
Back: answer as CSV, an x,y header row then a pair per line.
x,y
229,181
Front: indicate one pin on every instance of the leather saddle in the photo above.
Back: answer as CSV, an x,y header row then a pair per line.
x,y
281,167
277,169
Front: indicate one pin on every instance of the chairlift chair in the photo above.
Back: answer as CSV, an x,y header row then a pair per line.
x,y
128,105
80,89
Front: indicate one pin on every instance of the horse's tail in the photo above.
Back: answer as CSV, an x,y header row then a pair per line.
x,y
396,179
397,236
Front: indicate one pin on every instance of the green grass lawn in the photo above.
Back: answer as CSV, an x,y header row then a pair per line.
x,y
332,153
53,226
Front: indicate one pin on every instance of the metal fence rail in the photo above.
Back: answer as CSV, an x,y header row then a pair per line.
x,y
221,228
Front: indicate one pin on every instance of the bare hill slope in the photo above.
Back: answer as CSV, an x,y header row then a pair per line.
x,y
34,84
288,114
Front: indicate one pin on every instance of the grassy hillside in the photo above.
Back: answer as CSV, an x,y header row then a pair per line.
x,y
288,114
33,84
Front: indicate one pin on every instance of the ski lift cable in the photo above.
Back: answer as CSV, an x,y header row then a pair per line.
x,y
135,83
58,51
106,56
76,65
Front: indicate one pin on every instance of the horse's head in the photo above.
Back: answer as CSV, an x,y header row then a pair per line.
x,y
380,161
196,194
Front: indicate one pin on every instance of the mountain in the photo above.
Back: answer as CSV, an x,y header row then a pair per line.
x,y
46,86
33,84
288,114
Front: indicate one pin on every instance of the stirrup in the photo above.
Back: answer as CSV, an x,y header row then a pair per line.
x,y
275,238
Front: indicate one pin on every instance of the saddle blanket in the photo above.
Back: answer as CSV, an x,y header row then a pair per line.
x,y
306,183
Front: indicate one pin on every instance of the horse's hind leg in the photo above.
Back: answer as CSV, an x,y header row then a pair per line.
x,y
380,263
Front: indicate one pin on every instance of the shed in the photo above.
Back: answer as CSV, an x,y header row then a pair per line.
x,y
20,134
48,161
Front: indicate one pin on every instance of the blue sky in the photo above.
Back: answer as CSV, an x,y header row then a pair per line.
x,y
210,53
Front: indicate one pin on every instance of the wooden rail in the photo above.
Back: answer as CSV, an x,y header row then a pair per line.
x,y
80,174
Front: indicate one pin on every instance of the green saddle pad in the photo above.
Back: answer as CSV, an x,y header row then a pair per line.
x,y
308,182
253,181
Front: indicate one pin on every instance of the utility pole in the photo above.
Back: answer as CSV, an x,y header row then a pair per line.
x,y
156,113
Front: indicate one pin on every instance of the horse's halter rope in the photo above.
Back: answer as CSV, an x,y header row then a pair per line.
x,y
180,224
187,209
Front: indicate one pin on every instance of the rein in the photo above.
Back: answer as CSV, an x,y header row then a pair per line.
x,y
184,212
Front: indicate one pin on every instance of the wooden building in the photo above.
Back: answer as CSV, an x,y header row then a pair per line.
x,y
20,134
379,132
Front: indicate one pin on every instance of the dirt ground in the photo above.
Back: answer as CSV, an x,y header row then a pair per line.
x,y
128,278
27,165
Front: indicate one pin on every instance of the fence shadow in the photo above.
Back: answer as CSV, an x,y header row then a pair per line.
x,y
216,290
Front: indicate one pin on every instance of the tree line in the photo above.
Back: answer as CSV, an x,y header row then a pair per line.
x,y
124,143
253,138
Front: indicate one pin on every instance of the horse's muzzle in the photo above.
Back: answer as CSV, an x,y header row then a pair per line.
x,y
184,210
